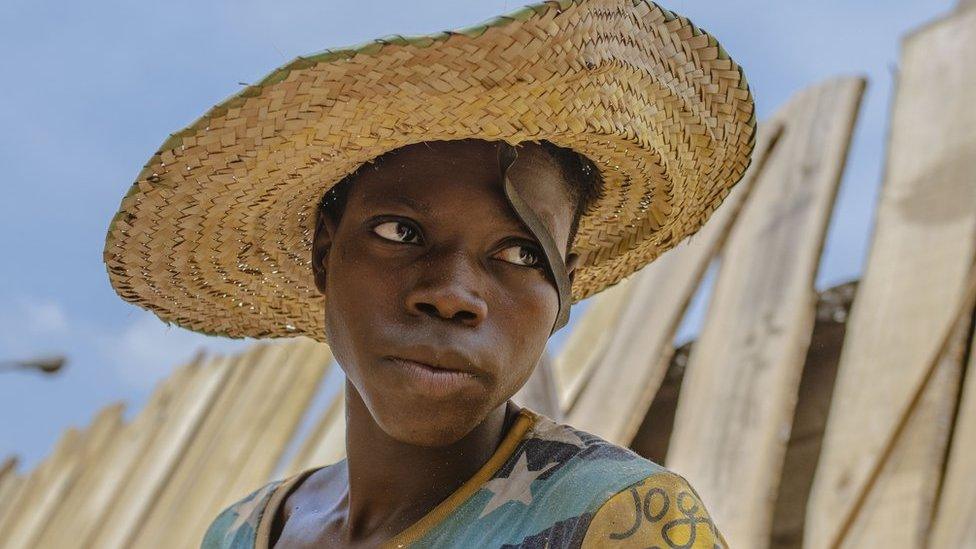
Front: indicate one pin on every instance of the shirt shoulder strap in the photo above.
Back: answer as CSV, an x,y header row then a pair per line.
x,y
236,526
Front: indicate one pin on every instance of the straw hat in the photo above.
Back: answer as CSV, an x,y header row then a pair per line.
x,y
215,233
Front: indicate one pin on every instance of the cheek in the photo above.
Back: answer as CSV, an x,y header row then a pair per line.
x,y
353,298
527,317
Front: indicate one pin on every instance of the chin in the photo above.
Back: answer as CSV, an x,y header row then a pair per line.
x,y
428,423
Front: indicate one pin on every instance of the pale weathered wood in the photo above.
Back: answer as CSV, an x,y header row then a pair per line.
x,y
314,360
9,489
247,372
95,490
955,520
9,481
326,444
740,387
913,467
8,468
587,342
234,459
654,434
92,444
906,424
923,245
810,417
151,474
269,434
34,488
539,393
620,389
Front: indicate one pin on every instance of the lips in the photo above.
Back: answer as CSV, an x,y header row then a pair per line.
x,y
451,374
436,358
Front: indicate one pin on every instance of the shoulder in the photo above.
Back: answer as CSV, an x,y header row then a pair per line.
x,y
317,487
661,510
622,497
240,524
236,526
592,467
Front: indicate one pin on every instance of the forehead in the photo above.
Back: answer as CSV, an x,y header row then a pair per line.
x,y
463,177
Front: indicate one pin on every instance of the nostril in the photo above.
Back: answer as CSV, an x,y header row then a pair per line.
x,y
428,308
432,310
465,316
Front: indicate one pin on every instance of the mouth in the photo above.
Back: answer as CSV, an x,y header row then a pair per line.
x,y
433,379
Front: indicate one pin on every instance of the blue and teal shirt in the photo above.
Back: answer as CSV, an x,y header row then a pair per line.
x,y
547,485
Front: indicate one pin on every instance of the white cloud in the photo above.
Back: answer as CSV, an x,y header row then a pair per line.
x,y
148,350
44,317
31,325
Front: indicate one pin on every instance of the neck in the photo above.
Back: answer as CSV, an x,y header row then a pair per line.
x,y
393,484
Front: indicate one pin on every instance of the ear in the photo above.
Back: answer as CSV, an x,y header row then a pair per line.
x,y
572,261
322,237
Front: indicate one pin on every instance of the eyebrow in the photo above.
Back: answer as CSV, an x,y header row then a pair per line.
x,y
415,204
418,205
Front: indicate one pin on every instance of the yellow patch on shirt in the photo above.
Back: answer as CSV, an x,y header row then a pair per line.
x,y
660,511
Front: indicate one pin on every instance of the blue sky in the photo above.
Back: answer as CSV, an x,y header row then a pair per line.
x,y
92,88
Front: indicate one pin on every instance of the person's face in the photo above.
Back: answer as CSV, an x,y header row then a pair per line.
x,y
438,303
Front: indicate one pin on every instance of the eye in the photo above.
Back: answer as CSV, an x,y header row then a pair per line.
x,y
521,254
397,231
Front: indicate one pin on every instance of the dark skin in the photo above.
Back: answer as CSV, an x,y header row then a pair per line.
x,y
433,353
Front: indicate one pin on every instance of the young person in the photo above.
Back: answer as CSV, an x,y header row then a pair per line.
x,y
407,202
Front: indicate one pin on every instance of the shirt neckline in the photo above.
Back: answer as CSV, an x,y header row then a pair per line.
x,y
526,418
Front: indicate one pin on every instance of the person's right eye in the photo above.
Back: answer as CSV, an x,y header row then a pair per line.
x,y
397,231
520,254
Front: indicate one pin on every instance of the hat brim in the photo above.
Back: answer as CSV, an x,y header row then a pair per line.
x,y
215,234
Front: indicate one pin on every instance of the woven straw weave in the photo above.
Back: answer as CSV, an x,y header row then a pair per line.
x,y
215,234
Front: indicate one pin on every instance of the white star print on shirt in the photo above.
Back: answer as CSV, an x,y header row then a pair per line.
x,y
516,487
547,429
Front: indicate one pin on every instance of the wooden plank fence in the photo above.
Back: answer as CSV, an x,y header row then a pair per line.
x,y
655,302
736,407
924,244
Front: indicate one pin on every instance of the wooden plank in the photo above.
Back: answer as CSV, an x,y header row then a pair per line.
x,y
810,417
34,488
659,296
588,341
86,504
326,444
948,344
914,468
8,468
151,474
9,489
923,246
539,393
10,482
654,435
740,388
242,375
311,360
186,508
92,444
955,521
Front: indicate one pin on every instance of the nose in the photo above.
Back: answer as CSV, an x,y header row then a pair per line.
x,y
448,289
